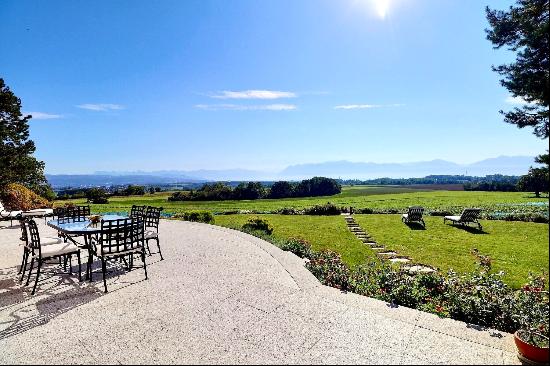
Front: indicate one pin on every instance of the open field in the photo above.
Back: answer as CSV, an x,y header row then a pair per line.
x,y
360,197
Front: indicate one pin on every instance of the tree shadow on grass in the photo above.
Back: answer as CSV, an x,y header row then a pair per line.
x,y
415,226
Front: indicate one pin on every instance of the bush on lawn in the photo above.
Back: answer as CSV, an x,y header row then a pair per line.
x,y
257,224
196,216
290,211
323,210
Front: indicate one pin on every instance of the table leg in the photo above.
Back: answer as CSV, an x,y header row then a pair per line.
x,y
88,244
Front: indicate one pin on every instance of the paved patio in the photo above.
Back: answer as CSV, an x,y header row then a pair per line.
x,y
220,296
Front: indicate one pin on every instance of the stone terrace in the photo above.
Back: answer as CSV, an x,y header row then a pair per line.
x,y
220,296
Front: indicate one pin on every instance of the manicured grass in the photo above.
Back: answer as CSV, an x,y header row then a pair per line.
x,y
374,197
515,247
323,232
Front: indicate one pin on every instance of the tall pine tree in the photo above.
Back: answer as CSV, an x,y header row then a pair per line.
x,y
523,29
17,163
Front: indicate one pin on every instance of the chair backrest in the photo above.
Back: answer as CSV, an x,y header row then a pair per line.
x,y
470,214
138,211
34,236
119,236
73,214
415,213
152,217
24,234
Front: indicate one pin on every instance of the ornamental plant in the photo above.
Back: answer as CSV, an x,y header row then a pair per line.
x,y
258,224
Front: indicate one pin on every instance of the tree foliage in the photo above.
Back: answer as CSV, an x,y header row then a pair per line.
x,y
537,180
97,196
17,163
523,29
318,186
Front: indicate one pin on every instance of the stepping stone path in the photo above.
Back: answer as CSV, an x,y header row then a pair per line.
x,y
419,269
381,251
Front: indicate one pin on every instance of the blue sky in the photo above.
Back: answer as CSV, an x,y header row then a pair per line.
x,y
136,85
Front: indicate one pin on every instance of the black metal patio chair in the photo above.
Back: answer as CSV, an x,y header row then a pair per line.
x,y
40,253
138,211
118,239
23,222
152,219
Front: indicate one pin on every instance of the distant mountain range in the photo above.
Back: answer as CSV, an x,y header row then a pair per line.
x,y
506,165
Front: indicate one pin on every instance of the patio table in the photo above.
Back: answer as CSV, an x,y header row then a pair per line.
x,y
84,229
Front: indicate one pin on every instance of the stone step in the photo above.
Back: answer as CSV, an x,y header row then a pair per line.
x,y
389,254
378,249
399,260
419,269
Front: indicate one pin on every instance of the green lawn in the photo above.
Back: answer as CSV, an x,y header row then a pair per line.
x,y
323,232
515,247
375,197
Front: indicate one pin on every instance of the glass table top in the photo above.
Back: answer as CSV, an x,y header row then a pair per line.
x,y
82,227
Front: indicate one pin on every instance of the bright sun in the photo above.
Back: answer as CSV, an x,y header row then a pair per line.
x,y
381,7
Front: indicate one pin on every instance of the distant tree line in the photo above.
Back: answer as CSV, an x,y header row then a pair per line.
x,y
314,187
495,182
101,194
438,179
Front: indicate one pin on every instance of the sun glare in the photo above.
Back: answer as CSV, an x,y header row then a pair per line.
x,y
378,8
381,7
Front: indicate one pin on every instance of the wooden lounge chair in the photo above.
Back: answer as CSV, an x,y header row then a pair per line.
x,y
468,216
414,214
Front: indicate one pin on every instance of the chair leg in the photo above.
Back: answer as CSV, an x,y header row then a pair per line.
x,y
89,266
79,267
26,256
30,271
104,270
37,275
158,246
147,244
22,261
70,264
144,263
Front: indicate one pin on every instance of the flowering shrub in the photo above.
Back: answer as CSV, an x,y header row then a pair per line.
x,y
329,269
531,312
17,197
257,224
298,246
